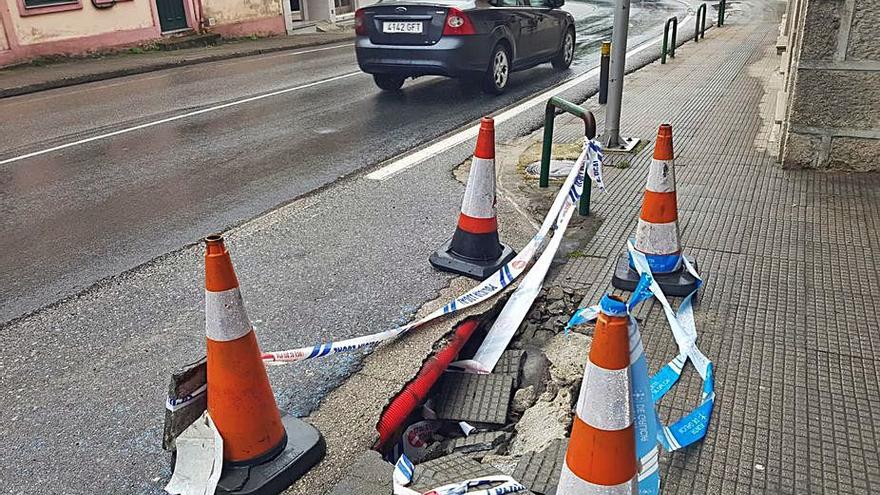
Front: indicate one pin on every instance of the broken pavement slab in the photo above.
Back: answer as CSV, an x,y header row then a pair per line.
x,y
484,442
539,471
453,468
185,385
511,363
479,399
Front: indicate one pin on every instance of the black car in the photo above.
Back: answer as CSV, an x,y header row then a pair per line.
x,y
478,40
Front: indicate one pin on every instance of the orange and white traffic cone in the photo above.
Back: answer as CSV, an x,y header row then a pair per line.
x,y
475,250
263,451
657,235
601,455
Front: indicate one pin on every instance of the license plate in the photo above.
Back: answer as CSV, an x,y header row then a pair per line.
x,y
402,27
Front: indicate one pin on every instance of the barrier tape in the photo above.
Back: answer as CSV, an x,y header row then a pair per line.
x,y
565,200
516,308
180,402
647,392
693,426
594,171
404,470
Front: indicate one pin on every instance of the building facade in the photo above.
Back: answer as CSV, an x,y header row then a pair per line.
x,y
830,102
34,28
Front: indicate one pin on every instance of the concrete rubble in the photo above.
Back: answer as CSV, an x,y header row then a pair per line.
x,y
522,411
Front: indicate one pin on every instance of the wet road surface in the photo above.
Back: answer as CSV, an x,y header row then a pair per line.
x,y
75,216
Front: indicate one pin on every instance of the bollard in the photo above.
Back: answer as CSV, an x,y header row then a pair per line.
x,y
604,62
547,148
700,30
671,49
722,6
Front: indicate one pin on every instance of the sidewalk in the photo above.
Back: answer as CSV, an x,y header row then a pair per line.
x,y
788,259
24,79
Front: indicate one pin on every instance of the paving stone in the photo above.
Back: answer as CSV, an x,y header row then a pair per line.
x,y
539,471
450,469
478,399
511,363
369,475
479,442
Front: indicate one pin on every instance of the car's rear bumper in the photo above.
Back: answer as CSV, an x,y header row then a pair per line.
x,y
451,56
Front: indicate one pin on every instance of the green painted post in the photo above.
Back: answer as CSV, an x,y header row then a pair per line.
x,y
666,48
663,48
584,205
703,28
589,133
674,36
697,30
549,117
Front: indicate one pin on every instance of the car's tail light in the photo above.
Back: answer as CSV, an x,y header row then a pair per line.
x,y
458,23
360,24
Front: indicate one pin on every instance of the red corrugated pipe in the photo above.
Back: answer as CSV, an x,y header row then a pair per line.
x,y
416,391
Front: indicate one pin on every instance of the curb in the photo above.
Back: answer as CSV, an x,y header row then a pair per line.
x,y
178,62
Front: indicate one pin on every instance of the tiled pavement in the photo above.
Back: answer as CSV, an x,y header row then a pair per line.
x,y
787,313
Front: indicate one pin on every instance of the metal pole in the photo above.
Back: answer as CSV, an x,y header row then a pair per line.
x,y
547,150
603,72
615,82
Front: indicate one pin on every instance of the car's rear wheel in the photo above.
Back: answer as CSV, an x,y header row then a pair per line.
x,y
496,78
563,59
388,82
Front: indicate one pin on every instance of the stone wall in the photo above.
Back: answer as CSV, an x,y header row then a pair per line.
x,y
830,103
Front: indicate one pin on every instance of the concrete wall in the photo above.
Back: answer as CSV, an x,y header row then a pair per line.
x,y
244,17
832,84
86,21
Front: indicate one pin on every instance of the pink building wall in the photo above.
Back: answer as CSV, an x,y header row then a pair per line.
x,y
79,27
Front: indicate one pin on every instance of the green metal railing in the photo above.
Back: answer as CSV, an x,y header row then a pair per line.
x,y
546,151
722,7
700,29
667,48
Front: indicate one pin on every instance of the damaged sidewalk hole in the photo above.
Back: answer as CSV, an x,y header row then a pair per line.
x,y
532,382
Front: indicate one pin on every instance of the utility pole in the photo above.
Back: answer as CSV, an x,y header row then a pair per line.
x,y
611,137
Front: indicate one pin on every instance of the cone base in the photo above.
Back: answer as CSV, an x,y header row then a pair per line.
x,y
305,447
678,283
443,259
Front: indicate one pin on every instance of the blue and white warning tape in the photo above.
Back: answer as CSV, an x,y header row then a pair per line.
x,y
180,402
647,392
488,485
564,202
693,426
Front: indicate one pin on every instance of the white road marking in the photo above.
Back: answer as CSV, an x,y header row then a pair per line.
x,y
178,117
411,160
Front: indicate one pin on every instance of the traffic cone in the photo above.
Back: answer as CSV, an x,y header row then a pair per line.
x,y
474,250
657,230
264,451
601,454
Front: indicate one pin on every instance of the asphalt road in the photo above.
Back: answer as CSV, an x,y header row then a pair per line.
x,y
101,277
76,216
